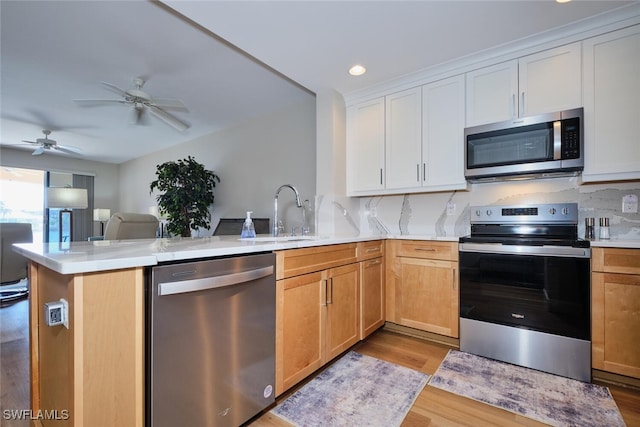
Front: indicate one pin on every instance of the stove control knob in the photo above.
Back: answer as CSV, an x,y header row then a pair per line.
x,y
478,212
565,211
552,211
489,212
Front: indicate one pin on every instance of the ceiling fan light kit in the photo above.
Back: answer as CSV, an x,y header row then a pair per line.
x,y
140,102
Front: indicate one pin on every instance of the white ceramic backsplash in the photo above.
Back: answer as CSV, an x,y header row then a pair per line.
x,y
426,213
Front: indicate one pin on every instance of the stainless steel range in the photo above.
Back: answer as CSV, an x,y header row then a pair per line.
x,y
525,288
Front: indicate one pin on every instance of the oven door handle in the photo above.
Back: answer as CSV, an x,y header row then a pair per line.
x,y
498,248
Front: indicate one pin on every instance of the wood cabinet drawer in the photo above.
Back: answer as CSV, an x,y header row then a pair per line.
x,y
427,249
371,249
615,260
294,262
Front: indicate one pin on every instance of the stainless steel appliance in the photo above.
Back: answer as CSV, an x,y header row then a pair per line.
x,y
211,341
539,146
525,288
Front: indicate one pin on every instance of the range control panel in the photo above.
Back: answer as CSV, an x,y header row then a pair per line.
x,y
552,213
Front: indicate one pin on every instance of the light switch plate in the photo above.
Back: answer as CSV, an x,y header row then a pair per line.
x,y
630,203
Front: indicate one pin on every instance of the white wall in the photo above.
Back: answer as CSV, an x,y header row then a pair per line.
x,y
252,159
106,181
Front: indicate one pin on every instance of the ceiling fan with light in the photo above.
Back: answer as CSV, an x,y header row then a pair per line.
x,y
141,102
45,144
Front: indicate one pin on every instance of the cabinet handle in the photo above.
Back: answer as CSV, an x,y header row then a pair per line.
x,y
522,104
376,249
424,171
425,249
418,172
324,294
513,105
380,176
374,262
330,292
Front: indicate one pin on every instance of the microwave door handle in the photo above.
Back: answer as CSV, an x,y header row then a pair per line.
x,y
557,140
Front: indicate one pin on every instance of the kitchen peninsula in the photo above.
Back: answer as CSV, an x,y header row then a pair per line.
x,y
95,368
91,371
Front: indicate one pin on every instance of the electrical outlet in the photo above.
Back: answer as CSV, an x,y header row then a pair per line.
x,y
56,313
630,203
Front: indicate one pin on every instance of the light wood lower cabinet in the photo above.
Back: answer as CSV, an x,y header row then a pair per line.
x,y
317,313
92,373
615,310
422,285
372,286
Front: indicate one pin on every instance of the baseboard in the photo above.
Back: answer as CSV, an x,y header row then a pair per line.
x,y
429,336
609,378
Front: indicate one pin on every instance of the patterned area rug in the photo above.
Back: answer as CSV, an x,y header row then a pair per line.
x,y
357,390
548,398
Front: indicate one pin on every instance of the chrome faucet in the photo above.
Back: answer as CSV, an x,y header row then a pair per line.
x,y
276,229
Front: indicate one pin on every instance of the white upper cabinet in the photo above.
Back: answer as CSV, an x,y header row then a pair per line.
x,y
403,139
544,82
443,134
419,132
365,147
491,93
612,106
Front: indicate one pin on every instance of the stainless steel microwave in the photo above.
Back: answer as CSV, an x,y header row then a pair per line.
x,y
547,145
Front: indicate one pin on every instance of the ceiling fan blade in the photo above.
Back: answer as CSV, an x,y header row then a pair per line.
x,y
99,102
38,151
115,89
169,118
169,104
30,142
74,151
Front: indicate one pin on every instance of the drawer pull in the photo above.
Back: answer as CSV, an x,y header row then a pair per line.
x,y
374,262
373,249
425,249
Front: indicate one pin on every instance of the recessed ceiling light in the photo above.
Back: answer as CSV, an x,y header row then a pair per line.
x,y
563,1
357,70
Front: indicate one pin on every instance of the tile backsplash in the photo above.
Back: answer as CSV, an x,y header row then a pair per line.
x,y
448,213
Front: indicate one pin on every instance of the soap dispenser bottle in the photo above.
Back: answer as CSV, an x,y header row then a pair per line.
x,y
248,230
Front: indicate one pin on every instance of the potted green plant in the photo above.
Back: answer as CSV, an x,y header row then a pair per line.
x,y
186,188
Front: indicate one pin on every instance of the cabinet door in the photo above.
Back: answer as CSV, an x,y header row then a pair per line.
x,y
611,107
365,146
443,134
616,323
428,295
550,81
343,309
403,139
299,328
491,93
372,292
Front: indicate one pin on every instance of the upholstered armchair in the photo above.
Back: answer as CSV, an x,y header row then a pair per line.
x,y
13,266
128,225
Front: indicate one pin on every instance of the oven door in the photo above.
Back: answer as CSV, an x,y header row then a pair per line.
x,y
540,288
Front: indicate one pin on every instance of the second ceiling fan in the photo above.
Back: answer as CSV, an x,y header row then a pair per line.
x,y
140,102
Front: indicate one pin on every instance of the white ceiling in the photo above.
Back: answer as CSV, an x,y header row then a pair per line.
x,y
56,51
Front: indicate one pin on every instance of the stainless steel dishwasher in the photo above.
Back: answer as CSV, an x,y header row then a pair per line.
x,y
210,341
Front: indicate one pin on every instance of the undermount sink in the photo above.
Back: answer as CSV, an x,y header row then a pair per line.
x,y
281,238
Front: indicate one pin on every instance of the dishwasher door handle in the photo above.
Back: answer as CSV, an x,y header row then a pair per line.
x,y
172,288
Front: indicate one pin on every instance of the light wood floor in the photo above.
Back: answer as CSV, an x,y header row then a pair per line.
x,y
435,407
432,408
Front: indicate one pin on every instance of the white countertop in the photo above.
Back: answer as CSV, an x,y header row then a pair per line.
x,y
85,257
631,244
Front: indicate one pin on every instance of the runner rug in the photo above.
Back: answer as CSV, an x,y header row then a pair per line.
x,y
357,390
551,399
